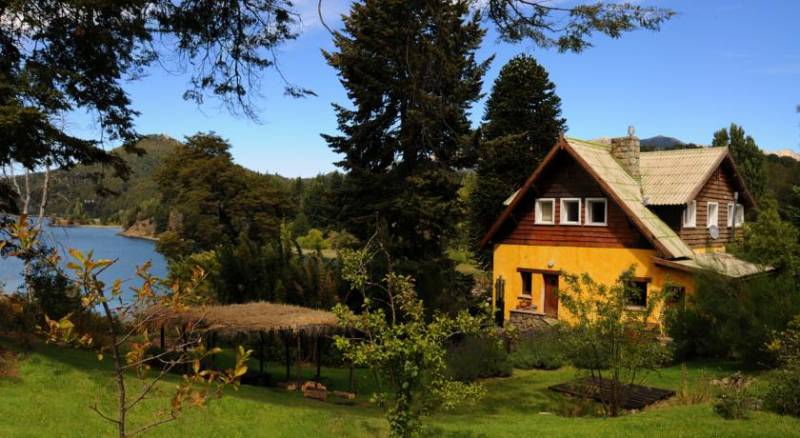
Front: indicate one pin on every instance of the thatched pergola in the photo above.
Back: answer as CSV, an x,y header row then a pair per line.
x,y
257,317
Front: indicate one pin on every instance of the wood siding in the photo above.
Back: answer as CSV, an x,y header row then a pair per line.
x,y
720,188
564,178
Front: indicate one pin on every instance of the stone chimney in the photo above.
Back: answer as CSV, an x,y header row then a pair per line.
x,y
626,151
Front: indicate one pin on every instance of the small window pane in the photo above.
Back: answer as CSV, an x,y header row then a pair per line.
x,y
527,283
596,211
637,293
547,211
730,214
713,214
739,214
571,213
690,214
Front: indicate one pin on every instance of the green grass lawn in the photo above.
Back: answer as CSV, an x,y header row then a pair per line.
x,y
55,386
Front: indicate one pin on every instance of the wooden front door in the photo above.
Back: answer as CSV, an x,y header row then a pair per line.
x,y
550,295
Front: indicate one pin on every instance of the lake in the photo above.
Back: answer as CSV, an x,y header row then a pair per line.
x,y
106,244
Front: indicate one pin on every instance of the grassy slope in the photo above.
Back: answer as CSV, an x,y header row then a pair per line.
x,y
55,386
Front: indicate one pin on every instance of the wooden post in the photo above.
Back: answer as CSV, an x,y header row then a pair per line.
x,y
288,359
350,378
213,345
318,356
261,353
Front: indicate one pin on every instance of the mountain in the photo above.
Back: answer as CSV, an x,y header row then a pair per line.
x,y
660,142
94,192
788,153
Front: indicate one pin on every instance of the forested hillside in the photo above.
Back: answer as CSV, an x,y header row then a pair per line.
x,y
93,192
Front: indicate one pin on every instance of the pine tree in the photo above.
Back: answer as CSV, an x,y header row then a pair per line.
x,y
411,73
522,122
750,160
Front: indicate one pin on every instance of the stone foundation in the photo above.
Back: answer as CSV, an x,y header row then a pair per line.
x,y
527,321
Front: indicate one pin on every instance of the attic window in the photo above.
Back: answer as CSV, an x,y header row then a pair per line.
x,y
545,211
596,211
739,214
570,211
690,215
712,214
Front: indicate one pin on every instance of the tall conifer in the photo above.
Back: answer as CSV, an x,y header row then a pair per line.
x,y
522,121
410,71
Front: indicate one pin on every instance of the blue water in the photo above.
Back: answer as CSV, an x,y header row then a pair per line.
x,y
105,242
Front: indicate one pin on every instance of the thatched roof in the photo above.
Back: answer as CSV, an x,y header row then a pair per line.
x,y
258,317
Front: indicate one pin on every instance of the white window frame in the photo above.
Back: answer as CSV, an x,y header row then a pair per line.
x,y
709,222
538,211
588,203
730,214
739,215
563,216
690,206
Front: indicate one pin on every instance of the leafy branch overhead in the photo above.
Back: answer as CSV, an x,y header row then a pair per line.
x,y
570,28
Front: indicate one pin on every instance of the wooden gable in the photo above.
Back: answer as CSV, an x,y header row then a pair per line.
x,y
565,178
720,187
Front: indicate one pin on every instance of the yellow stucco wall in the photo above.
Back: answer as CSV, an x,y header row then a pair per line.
x,y
604,265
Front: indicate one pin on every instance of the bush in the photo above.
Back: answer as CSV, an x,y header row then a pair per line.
x,y
783,393
472,358
734,319
734,402
543,351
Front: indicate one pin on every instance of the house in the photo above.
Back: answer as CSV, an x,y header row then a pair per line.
x,y
599,207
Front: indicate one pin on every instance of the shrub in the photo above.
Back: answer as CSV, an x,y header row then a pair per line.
x,y
733,401
542,351
783,393
734,319
688,394
9,363
472,358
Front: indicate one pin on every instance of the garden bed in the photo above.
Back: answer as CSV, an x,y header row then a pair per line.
x,y
636,397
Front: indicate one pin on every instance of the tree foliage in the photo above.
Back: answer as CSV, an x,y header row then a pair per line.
x,y
569,28
770,240
403,349
749,159
214,202
522,122
124,334
608,338
68,55
411,73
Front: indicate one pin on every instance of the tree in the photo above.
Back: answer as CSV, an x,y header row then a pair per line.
x,y
402,348
127,326
71,55
609,340
770,241
522,122
123,330
749,159
569,28
218,202
411,73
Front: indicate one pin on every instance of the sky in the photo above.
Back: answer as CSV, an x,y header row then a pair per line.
x,y
716,62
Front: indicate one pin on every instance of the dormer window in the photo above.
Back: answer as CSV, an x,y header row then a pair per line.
x,y
712,214
596,211
570,211
545,211
690,215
